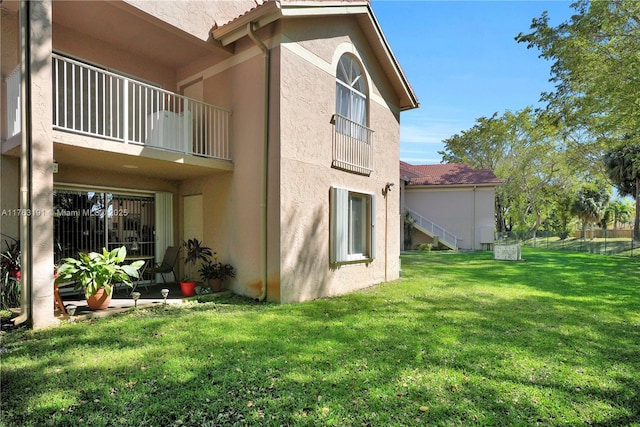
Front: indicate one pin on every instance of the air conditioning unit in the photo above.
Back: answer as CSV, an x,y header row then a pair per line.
x,y
169,130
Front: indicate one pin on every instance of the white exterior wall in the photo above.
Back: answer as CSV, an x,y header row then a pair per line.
x,y
462,211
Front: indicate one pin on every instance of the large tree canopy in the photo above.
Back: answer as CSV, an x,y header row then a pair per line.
x,y
596,65
545,157
522,149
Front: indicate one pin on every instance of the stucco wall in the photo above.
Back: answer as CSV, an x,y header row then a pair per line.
x,y
453,209
307,103
232,202
9,166
198,16
94,51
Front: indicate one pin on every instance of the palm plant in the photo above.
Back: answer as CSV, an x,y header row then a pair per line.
x,y
10,286
623,166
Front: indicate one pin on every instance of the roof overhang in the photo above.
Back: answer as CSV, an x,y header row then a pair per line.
x,y
450,186
271,11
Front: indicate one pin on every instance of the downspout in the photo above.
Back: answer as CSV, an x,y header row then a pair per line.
x,y
473,230
265,161
26,240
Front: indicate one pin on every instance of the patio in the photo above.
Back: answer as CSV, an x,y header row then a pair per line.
x,y
120,302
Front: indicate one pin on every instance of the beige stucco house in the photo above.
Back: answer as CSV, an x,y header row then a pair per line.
x,y
270,130
451,203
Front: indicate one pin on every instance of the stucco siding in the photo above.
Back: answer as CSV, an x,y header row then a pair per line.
x,y
196,18
232,202
85,47
307,104
461,211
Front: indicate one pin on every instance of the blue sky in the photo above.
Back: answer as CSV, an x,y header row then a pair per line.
x,y
463,63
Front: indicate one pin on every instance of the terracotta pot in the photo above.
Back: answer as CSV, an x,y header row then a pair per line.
x,y
215,285
100,300
188,289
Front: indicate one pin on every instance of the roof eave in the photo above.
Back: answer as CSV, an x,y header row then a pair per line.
x,y
408,98
484,184
261,16
271,11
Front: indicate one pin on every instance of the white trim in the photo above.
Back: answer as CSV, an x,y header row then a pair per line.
x,y
331,68
340,222
320,8
225,65
163,225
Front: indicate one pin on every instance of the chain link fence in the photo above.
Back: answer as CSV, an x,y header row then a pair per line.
x,y
604,242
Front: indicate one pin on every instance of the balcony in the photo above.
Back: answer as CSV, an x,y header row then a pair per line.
x,y
352,146
94,102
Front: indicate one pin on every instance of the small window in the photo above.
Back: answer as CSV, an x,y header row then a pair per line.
x,y
352,225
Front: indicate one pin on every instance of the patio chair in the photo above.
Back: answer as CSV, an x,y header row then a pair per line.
x,y
167,265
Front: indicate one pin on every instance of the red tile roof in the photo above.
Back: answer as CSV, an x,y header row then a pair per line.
x,y
447,174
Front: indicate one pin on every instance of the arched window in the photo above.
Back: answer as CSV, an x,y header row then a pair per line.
x,y
351,90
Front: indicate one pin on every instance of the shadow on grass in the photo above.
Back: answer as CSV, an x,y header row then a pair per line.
x,y
462,340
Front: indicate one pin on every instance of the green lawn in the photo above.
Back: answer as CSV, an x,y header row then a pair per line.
x,y
460,340
608,246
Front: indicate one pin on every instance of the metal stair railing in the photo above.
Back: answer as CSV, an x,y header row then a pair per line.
x,y
434,229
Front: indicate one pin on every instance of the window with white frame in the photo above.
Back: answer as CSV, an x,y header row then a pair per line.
x,y
352,225
351,95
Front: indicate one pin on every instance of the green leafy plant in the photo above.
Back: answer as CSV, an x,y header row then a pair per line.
x,y
194,252
216,270
425,247
93,271
10,286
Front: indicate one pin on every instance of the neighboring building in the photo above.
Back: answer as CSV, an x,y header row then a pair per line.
x,y
451,202
158,120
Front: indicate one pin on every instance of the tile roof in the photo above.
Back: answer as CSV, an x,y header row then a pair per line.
x,y
244,7
447,174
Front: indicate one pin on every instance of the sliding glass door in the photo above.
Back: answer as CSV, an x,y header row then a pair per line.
x,y
86,220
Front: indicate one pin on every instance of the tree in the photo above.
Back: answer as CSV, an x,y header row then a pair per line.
x,y
589,204
523,151
621,211
596,66
623,166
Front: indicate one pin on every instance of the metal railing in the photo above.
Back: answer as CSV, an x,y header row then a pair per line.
x,y
13,103
92,101
434,229
352,146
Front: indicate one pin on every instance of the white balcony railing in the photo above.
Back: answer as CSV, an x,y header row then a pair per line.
x,y
352,146
13,103
95,102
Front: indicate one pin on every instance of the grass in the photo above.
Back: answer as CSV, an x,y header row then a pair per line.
x,y
600,245
460,340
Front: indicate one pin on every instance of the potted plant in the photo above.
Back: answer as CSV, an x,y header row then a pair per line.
x,y
10,286
96,273
194,251
214,273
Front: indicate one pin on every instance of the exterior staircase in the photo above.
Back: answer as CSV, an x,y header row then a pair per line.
x,y
433,230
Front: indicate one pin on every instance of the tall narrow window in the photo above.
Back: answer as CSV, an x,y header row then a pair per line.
x,y
352,226
352,138
351,91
